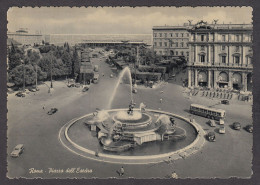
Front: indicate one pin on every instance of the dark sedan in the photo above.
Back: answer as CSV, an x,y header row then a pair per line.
x,y
236,126
52,111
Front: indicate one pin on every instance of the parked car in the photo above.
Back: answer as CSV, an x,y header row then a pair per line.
x,y
52,111
211,136
134,90
226,102
249,128
222,130
86,88
77,85
17,151
32,89
236,126
211,123
71,85
20,94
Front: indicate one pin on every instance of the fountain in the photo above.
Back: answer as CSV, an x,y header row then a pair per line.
x,y
119,130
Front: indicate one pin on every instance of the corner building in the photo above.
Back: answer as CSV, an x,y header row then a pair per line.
x,y
221,56
171,40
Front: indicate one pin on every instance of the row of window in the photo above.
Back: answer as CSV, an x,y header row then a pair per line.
x,y
223,47
171,34
236,59
224,38
176,44
206,111
176,53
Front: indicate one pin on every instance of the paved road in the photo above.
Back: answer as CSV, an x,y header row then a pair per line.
x,y
29,124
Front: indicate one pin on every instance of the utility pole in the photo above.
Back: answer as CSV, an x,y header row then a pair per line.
x,y
23,76
51,75
36,76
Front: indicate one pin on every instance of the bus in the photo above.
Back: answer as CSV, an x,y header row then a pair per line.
x,y
212,113
95,78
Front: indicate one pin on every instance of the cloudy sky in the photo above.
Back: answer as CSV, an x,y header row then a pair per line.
x,y
119,20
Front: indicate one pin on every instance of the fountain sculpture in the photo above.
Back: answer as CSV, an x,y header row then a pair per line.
x,y
120,130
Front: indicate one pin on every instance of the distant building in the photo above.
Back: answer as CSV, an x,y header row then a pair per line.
x,y
22,36
221,56
171,40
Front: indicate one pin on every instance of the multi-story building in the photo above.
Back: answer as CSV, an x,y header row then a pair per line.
x,y
22,36
171,40
221,56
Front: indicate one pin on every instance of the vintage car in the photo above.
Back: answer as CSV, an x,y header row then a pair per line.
x,y
236,126
52,111
249,128
222,130
17,151
226,102
211,136
211,123
86,88
20,94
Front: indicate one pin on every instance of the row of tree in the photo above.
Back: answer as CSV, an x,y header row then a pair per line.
x,y
47,62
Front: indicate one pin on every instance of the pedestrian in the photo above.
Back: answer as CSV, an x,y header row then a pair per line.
x,y
161,91
43,107
161,100
121,171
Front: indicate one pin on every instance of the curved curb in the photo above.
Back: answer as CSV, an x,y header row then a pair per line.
x,y
182,153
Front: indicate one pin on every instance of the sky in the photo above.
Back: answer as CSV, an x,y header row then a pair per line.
x,y
117,20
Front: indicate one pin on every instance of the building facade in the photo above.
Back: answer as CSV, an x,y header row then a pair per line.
x,y
22,36
171,40
221,56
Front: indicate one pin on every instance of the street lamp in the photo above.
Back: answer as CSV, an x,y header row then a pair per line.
x,y
36,77
23,75
51,74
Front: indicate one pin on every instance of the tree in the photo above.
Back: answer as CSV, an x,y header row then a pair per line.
x,y
17,75
52,66
67,61
75,63
15,55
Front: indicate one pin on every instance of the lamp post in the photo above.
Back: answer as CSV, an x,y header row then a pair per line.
x,y
36,77
23,75
51,74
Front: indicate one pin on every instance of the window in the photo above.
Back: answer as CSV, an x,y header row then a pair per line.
x,y
187,44
187,53
237,58
223,59
155,43
202,37
177,44
223,47
160,52
251,38
165,43
171,34
160,43
177,34
165,34
182,35
188,35
182,44
223,37
155,35
237,48
202,48
202,58
176,52
182,53
237,38
160,34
